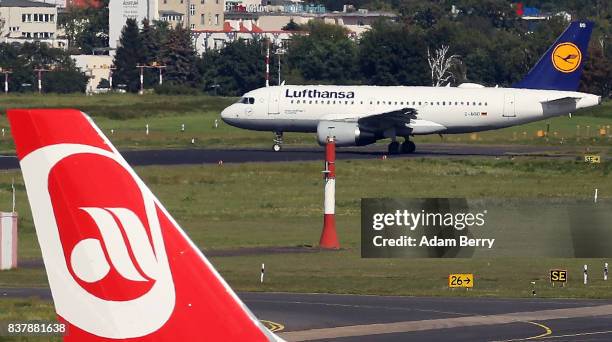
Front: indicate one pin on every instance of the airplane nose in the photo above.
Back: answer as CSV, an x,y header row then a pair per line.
x,y
225,114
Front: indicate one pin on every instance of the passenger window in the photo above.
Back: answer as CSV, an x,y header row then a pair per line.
x,y
486,104
443,103
377,102
291,101
298,101
251,100
419,103
480,103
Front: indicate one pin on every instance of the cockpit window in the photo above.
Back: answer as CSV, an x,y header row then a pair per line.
x,y
247,100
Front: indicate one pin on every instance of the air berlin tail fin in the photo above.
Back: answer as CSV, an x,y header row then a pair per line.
x,y
119,266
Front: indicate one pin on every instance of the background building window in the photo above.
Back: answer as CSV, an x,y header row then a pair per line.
x,y
191,9
216,19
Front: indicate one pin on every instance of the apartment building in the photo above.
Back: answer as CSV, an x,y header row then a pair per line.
x,y
25,20
193,14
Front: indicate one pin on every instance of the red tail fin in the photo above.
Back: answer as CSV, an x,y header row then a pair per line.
x,y
119,266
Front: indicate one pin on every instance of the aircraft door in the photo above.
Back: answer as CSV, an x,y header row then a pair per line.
x,y
509,106
274,94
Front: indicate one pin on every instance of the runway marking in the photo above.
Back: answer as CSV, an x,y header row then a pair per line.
x,y
359,306
272,326
547,332
445,323
578,334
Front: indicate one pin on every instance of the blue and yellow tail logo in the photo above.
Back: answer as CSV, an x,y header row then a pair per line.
x,y
561,66
566,57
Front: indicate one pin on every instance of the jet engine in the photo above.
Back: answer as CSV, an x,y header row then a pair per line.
x,y
345,134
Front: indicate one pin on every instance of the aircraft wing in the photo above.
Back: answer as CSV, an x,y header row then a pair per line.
x,y
400,118
380,121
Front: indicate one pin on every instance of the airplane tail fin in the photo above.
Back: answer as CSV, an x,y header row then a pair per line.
x,y
561,66
119,266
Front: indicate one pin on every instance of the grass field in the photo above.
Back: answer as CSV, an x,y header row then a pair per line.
x,y
281,206
123,117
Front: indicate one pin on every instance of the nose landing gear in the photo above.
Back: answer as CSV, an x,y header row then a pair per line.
x,y
278,141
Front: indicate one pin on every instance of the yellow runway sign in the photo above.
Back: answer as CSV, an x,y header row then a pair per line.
x,y
592,158
559,276
461,280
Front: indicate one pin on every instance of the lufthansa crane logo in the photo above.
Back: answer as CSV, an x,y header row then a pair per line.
x,y
566,57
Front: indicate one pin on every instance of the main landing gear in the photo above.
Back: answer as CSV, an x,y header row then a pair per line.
x,y
278,141
405,148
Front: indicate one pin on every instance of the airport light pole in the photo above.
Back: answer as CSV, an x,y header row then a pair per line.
x,y
268,64
6,79
110,77
279,52
39,72
141,67
154,65
329,237
159,67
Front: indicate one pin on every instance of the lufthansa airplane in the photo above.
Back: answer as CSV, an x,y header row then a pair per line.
x,y
361,115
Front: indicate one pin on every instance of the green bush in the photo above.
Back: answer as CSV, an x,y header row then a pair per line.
x,y
176,89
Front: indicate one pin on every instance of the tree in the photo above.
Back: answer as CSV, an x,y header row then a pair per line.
x,y
390,54
153,38
440,65
235,69
129,54
86,28
179,56
22,59
326,54
597,76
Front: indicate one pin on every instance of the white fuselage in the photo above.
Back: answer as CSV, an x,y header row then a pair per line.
x,y
440,110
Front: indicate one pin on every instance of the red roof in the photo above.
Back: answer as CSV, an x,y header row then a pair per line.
x,y
84,3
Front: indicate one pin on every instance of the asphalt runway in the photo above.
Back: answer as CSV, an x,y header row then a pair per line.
x,y
325,317
214,156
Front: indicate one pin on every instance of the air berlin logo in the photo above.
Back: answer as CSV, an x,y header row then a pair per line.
x,y
101,235
88,259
